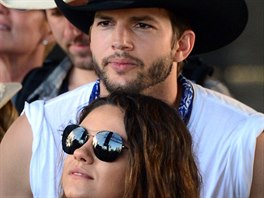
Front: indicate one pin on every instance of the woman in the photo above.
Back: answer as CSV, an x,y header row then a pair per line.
x,y
25,38
139,147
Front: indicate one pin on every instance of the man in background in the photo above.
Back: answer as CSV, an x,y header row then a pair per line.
x,y
58,76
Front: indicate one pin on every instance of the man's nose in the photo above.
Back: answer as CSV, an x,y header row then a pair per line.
x,y
122,38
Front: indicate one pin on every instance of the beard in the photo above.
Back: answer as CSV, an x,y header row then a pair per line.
x,y
158,71
82,61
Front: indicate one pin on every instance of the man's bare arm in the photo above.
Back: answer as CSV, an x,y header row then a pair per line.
x,y
15,155
257,188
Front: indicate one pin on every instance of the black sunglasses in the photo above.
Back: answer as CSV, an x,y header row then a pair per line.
x,y
107,145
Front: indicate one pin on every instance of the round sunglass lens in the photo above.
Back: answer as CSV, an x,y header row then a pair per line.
x,y
73,138
107,146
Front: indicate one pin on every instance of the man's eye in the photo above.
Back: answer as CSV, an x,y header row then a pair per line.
x,y
103,23
143,26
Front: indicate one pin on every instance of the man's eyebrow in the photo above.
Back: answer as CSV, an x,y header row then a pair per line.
x,y
102,16
133,18
142,18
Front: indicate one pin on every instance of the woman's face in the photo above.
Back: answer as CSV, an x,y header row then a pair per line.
x,y
22,31
84,175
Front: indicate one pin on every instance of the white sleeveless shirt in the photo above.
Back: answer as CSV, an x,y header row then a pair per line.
x,y
224,135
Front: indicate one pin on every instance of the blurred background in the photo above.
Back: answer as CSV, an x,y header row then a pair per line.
x,y
240,65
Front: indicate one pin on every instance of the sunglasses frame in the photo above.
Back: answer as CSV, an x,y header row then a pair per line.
x,y
109,151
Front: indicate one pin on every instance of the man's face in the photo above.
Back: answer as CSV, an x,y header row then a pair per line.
x,y
132,48
72,41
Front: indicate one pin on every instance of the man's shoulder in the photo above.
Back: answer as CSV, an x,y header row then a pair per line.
x,y
32,80
39,74
217,102
219,113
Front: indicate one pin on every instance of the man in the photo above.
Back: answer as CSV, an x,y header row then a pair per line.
x,y
56,78
137,47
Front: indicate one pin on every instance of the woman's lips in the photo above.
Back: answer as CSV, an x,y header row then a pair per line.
x,y
77,173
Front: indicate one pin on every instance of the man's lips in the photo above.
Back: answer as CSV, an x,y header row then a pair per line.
x,y
79,43
121,65
80,48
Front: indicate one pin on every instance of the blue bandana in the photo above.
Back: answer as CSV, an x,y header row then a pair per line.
x,y
95,92
185,107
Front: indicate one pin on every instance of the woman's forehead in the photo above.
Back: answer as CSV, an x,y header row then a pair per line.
x,y
105,117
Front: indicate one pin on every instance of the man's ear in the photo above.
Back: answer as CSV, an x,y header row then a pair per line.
x,y
184,46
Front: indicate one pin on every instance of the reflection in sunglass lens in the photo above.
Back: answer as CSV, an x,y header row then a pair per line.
x,y
107,146
73,138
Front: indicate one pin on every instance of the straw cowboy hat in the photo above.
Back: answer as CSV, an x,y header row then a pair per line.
x,y
216,23
30,4
7,91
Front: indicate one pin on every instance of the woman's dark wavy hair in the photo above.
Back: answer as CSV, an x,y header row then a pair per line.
x,y
161,161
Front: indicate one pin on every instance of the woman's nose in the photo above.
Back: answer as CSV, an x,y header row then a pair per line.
x,y
84,153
